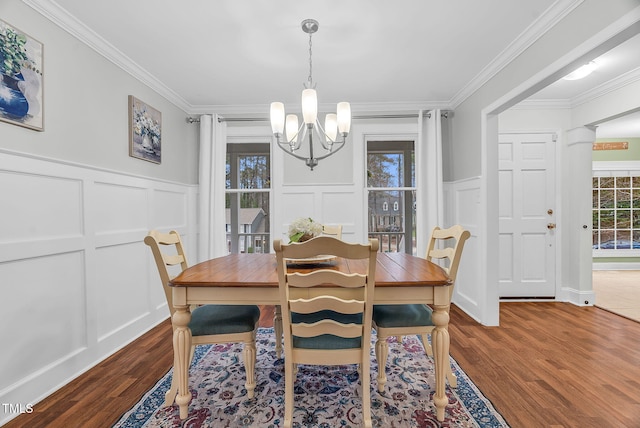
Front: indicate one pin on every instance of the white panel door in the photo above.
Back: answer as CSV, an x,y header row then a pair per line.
x,y
527,216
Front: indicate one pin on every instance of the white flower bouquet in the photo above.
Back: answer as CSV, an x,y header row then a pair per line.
x,y
303,229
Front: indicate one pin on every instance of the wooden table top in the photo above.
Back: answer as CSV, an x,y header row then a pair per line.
x,y
259,270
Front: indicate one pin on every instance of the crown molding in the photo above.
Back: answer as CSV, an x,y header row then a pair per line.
x,y
543,104
529,36
607,87
356,108
59,16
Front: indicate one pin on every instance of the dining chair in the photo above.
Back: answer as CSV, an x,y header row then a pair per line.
x,y
445,247
334,230
210,324
331,325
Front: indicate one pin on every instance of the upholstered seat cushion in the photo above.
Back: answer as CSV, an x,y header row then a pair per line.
x,y
223,319
402,315
326,341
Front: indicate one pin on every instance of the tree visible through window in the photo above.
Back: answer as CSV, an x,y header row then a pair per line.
x,y
616,213
247,197
391,182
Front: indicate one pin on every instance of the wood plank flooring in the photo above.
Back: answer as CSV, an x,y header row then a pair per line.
x,y
547,365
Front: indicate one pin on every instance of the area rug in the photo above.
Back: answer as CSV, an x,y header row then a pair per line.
x,y
326,396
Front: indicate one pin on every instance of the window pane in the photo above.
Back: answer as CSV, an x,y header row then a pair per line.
x,y
623,240
389,226
636,182
623,198
607,198
607,182
623,219
607,218
385,170
623,182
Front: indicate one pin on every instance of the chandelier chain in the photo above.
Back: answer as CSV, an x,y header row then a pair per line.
x,y
310,79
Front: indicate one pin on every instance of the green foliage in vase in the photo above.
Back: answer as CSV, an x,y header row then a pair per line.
x,y
13,51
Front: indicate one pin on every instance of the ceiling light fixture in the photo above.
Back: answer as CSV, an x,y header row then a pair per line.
x,y
581,72
335,124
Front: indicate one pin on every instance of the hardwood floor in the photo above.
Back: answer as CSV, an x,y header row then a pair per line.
x,y
547,365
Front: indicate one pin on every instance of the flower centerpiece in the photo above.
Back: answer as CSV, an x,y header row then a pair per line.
x,y
303,229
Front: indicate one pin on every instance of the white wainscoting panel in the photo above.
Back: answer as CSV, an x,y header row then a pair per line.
x,y
462,199
36,206
43,313
119,208
119,273
77,281
336,204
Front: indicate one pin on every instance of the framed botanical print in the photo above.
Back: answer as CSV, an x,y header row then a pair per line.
x,y
145,131
21,78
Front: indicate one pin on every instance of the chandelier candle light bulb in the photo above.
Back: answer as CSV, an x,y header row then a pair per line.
x,y
336,125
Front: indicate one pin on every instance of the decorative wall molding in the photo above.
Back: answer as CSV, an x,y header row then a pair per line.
x,y
462,206
72,257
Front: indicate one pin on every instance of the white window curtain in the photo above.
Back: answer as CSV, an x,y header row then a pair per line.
x,y
430,199
211,213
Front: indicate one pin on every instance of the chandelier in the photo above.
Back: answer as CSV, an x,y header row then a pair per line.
x,y
290,136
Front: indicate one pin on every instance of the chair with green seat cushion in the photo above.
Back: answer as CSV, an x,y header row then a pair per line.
x,y
330,325
404,320
209,324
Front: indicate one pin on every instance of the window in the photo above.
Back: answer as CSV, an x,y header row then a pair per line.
x,y
247,197
616,212
391,181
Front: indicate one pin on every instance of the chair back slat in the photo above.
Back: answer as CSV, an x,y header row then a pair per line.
x,y
327,327
322,303
320,277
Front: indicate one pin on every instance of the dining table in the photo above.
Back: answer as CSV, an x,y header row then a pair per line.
x,y
246,278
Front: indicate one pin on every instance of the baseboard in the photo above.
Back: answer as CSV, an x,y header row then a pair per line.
x,y
616,266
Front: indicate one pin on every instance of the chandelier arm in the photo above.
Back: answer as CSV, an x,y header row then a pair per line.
x,y
287,151
340,145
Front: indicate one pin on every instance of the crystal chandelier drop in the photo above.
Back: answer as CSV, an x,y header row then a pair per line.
x,y
290,136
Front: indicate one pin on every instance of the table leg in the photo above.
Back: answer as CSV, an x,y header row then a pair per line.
x,y
277,329
181,357
440,344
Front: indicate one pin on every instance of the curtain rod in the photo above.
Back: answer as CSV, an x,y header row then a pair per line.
x,y
443,114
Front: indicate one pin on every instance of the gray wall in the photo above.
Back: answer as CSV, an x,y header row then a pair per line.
x,y
86,108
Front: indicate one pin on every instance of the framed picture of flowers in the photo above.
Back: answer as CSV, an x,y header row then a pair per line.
x,y
145,131
21,58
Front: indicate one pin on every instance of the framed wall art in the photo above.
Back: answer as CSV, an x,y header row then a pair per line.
x,y
21,78
145,131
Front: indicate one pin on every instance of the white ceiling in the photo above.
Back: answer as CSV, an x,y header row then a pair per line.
x,y
239,55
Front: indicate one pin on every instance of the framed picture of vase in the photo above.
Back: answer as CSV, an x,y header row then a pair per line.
x,y
145,131
21,78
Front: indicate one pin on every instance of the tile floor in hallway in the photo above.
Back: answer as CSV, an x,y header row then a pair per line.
x,y
618,291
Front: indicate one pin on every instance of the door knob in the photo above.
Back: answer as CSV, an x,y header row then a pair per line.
x,y
551,226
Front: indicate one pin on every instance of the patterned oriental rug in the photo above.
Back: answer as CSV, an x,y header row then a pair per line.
x,y
326,396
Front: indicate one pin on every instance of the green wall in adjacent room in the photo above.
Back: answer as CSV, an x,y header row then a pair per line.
x,y
633,153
